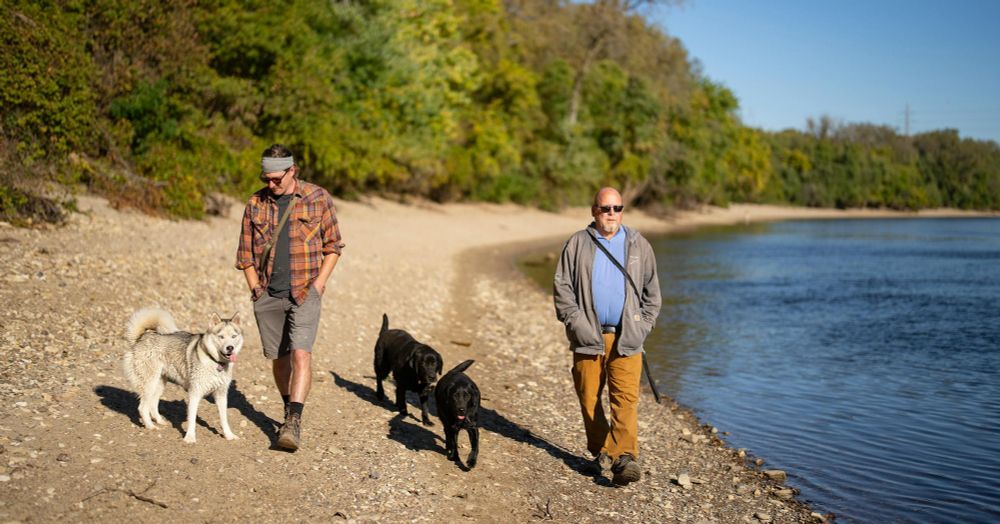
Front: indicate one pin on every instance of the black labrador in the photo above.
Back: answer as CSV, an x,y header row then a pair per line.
x,y
414,366
457,398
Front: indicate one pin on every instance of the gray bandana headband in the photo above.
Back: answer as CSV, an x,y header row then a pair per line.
x,y
273,165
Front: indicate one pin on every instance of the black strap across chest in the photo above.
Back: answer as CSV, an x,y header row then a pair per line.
x,y
274,235
616,263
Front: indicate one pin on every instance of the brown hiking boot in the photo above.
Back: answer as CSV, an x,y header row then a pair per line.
x,y
288,436
625,470
282,425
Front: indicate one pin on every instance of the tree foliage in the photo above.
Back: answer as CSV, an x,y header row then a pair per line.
x,y
158,104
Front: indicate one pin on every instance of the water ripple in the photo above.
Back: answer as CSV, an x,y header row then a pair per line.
x,y
859,356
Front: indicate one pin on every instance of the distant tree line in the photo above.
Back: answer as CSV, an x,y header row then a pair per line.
x,y
159,104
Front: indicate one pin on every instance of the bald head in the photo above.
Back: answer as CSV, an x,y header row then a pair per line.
x,y
607,193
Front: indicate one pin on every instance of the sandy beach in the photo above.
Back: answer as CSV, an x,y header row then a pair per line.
x,y
71,448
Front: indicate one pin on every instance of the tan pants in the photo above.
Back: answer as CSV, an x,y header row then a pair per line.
x,y
622,375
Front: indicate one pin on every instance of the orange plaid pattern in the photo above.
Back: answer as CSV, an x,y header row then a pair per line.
x,y
312,234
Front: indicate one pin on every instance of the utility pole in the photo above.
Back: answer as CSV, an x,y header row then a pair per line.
x,y
907,120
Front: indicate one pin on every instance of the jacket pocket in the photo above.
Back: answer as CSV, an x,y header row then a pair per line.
x,y
580,330
645,328
635,329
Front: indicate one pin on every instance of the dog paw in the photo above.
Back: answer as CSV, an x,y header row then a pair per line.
x,y
230,436
428,423
189,439
161,421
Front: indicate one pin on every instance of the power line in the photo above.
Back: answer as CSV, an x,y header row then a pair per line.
x,y
907,133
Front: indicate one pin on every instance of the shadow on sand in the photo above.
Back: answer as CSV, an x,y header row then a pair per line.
x,y
415,435
175,411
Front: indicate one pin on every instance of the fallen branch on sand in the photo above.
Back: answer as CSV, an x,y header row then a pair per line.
x,y
138,496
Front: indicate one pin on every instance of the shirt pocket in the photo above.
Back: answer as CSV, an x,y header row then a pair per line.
x,y
261,227
309,227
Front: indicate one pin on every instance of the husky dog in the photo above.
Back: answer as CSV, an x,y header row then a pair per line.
x,y
201,363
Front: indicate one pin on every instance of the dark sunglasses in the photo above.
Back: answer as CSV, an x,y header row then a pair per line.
x,y
607,209
277,179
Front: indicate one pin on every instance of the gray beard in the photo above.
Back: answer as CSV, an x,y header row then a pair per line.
x,y
614,229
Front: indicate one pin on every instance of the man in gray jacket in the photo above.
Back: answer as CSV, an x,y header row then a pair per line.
x,y
606,323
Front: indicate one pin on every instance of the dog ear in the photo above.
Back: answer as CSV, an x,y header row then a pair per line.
x,y
440,365
236,318
215,319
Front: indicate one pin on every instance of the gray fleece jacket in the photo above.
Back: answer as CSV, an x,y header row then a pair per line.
x,y
574,298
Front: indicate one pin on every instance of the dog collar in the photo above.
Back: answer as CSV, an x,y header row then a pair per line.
x,y
222,363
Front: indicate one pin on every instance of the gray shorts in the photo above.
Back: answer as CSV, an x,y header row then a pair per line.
x,y
284,326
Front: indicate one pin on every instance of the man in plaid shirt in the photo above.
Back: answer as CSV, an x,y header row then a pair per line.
x,y
287,283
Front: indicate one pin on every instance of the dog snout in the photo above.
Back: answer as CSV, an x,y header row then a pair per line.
x,y
230,349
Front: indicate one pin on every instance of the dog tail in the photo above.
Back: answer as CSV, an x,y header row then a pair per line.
x,y
462,367
146,319
385,324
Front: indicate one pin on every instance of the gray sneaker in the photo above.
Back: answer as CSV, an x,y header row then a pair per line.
x,y
599,465
288,436
625,470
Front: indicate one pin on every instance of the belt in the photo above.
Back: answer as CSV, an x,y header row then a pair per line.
x,y
608,329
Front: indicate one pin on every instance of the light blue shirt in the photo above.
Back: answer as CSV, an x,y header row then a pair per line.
x,y
608,282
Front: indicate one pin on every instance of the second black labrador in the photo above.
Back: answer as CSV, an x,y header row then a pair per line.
x,y
414,366
457,398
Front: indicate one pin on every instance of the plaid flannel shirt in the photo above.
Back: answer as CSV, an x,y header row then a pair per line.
x,y
312,234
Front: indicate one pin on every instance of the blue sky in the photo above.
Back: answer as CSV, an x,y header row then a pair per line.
x,y
857,61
